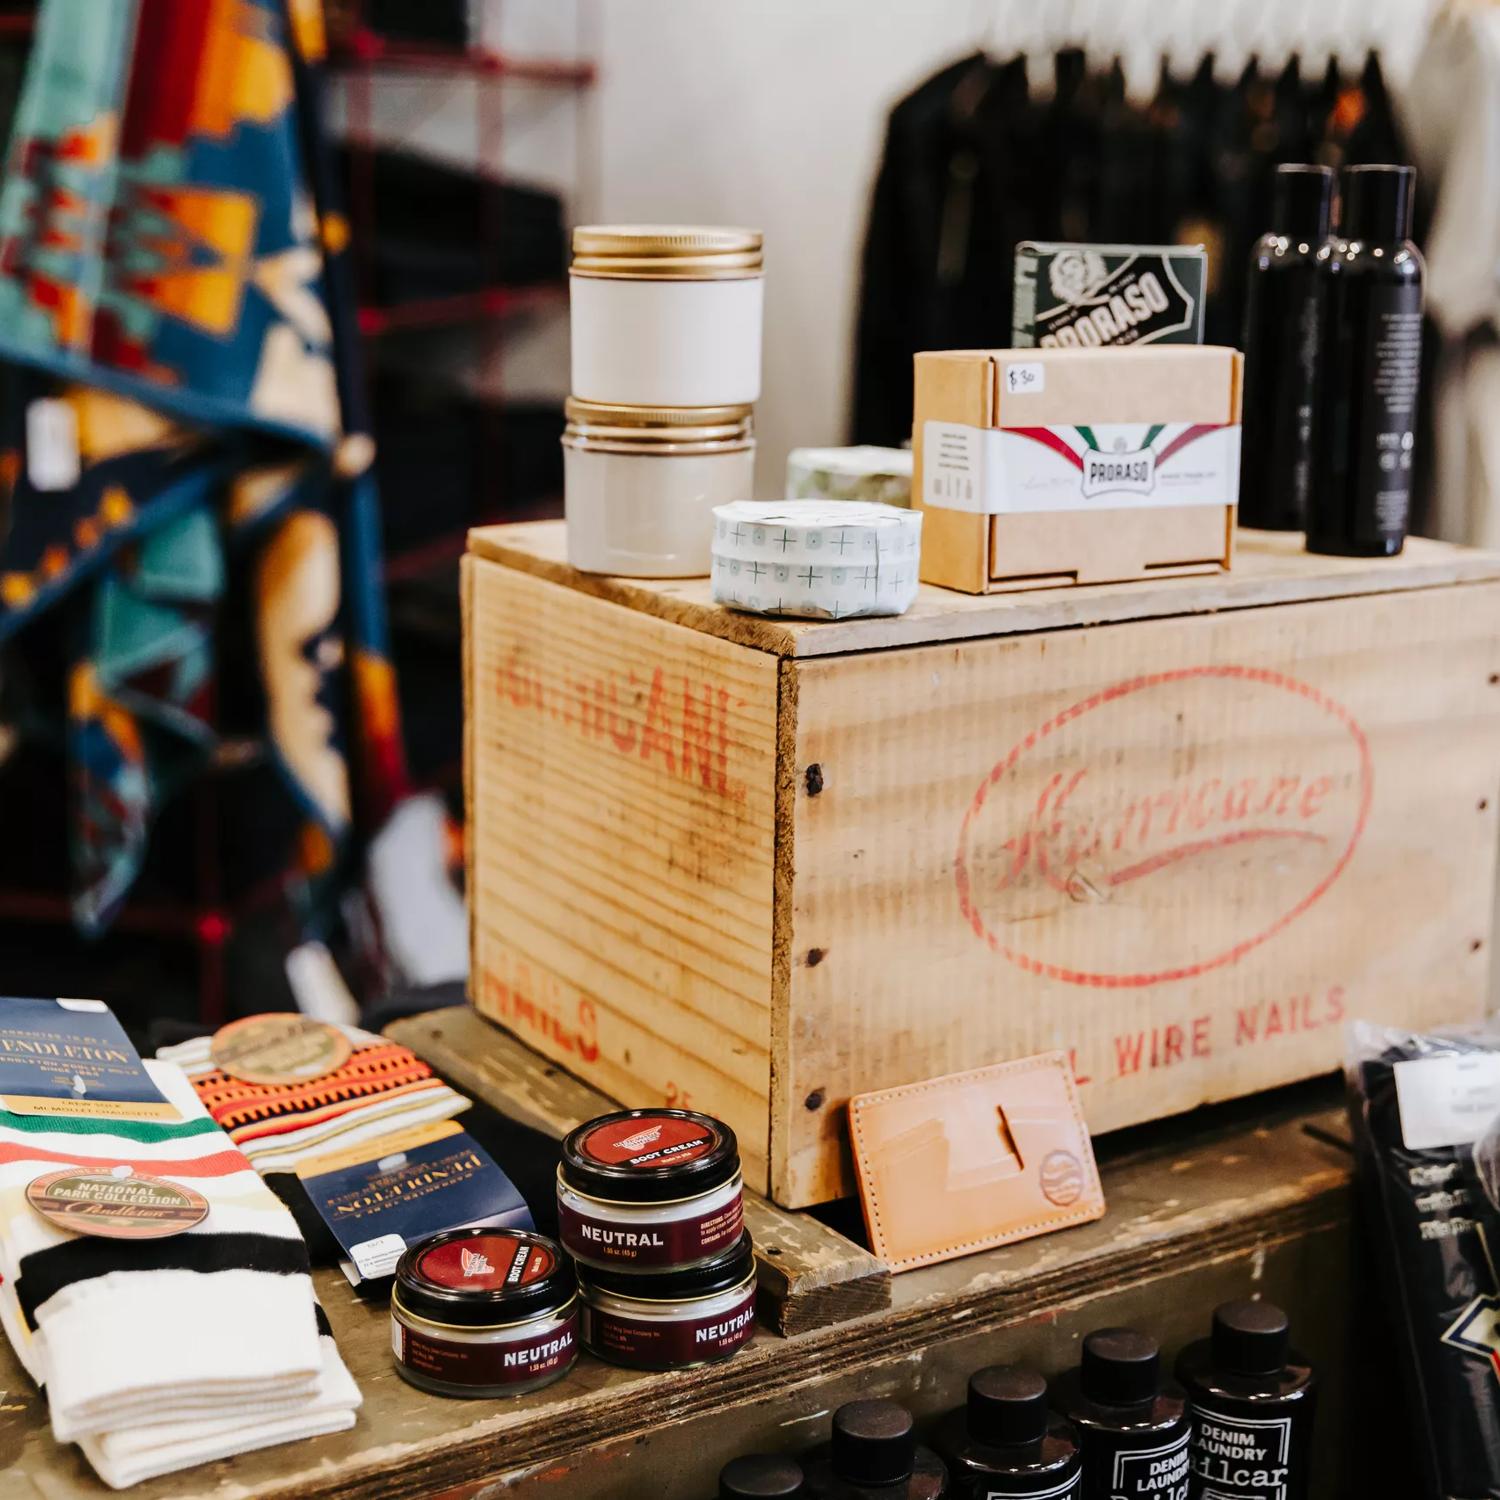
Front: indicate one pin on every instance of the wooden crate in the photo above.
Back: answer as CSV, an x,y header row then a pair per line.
x,y
1181,828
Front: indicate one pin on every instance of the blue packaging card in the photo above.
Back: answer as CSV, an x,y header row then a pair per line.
x,y
407,1187
72,1058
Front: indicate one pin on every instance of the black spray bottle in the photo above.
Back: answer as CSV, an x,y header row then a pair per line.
x,y
1283,337
1251,1398
874,1456
761,1476
1132,1424
1006,1441
1371,369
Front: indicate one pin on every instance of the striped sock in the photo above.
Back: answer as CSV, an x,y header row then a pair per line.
x,y
382,1088
212,1335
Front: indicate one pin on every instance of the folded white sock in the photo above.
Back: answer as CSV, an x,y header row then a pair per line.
x,y
209,1338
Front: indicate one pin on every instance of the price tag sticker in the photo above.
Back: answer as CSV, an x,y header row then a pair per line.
x,y
1029,379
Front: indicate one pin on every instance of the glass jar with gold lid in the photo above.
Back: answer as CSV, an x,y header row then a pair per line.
x,y
640,484
666,315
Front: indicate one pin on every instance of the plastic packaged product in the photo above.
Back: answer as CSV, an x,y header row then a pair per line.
x,y
490,1312
1133,1425
671,1320
1283,336
1424,1110
1006,1442
873,1455
666,314
650,1190
816,559
761,1476
880,476
1370,370
1252,1399
640,485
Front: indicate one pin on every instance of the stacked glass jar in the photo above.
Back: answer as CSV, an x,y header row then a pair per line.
x,y
651,1208
666,335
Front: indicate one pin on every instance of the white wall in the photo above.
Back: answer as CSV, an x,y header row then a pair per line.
x,y
769,113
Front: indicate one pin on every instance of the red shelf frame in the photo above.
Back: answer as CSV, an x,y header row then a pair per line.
x,y
368,49
440,312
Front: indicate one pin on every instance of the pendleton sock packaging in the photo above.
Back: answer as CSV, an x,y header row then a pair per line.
x,y
1041,467
873,1455
1134,1426
1006,1442
1091,296
1252,1399
1424,1109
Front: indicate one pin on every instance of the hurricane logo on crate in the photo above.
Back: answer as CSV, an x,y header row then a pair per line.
x,y
1164,826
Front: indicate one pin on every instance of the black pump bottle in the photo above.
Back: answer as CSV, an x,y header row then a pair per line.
x,y
1006,1441
1371,367
761,1476
1283,336
874,1456
1252,1399
1133,1426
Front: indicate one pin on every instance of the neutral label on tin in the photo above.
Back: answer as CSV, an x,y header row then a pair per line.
x,y
1241,1458
679,1243
660,1344
492,1362
1073,1486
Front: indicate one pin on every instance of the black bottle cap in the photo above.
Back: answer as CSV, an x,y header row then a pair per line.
x,y
1007,1406
1377,203
760,1477
1302,203
1120,1367
873,1442
1250,1338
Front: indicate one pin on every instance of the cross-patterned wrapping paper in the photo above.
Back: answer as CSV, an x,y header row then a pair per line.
x,y
816,559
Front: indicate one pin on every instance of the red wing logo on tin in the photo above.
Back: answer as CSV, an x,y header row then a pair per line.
x,y
640,1139
1164,827
475,1265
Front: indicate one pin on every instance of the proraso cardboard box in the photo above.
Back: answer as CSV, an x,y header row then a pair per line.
x,y
1039,467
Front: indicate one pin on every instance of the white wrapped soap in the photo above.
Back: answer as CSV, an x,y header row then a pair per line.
x,y
880,475
815,559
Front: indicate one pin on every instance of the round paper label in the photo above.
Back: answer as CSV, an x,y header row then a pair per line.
x,y
649,1141
282,1047
486,1263
116,1205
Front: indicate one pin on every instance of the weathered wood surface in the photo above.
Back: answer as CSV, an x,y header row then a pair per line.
x,y
1254,1204
621,816
810,1276
1158,847
1269,568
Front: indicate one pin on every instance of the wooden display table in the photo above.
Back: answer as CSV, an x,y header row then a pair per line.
x,y
1251,1197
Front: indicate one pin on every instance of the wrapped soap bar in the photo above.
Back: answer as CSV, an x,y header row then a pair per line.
x,y
879,475
816,559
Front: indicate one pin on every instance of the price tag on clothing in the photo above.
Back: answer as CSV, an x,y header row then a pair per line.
x,y
52,457
1447,1101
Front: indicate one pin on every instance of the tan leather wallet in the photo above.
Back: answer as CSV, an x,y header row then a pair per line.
x,y
977,1159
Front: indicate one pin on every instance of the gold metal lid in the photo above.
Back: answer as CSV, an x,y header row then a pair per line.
x,y
666,252
656,426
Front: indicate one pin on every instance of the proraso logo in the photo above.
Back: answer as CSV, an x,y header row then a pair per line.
x,y
1163,827
1113,473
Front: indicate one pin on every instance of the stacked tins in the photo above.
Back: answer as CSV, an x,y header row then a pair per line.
x,y
666,338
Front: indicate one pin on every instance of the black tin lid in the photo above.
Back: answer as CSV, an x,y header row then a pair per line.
x,y
874,1442
1120,1367
727,1270
1250,1338
650,1155
759,1476
481,1278
1007,1406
